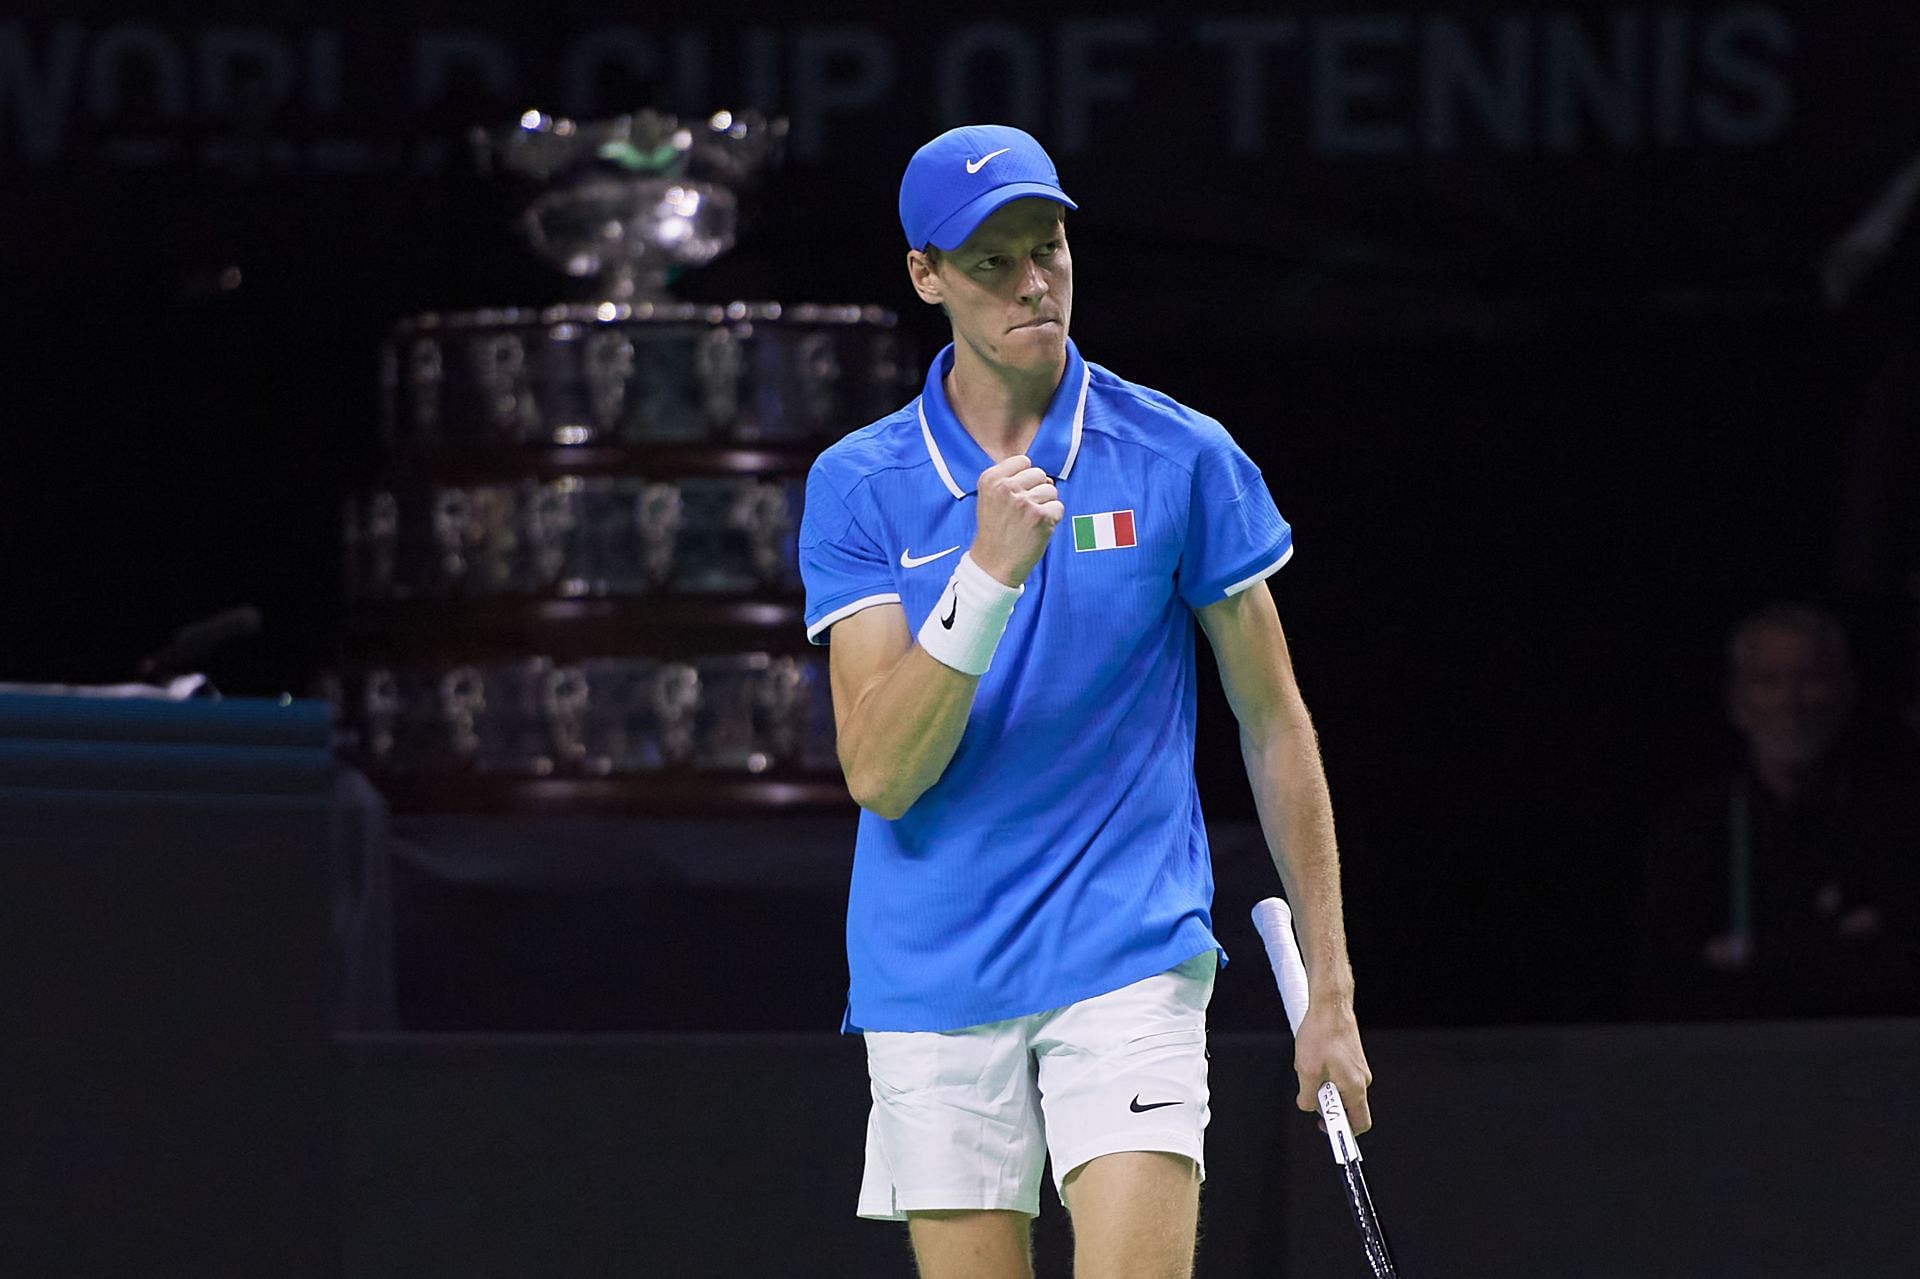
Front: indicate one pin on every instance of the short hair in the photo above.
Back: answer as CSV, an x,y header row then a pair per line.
x,y
1803,619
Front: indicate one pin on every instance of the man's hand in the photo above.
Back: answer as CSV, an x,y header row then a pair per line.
x,y
1018,509
1327,1046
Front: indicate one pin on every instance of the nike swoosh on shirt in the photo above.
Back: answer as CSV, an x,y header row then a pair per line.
x,y
974,166
909,560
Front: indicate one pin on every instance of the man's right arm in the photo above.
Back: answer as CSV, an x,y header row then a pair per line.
x,y
898,711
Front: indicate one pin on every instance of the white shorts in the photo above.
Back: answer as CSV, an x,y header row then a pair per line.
x,y
966,1118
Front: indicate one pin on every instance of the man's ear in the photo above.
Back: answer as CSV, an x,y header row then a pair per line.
x,y
926,280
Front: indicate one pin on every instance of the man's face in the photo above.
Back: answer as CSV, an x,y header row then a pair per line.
x,y
1008,288
1790,695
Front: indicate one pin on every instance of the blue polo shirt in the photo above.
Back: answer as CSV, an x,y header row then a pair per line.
x,y
1061,855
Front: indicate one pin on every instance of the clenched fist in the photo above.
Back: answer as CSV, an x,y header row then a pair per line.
x,y
1018,509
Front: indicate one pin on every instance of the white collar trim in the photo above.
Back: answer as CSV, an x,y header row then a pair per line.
x,y
1079,417
1073,445
933,450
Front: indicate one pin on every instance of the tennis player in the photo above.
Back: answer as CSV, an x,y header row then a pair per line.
x,y
1009,569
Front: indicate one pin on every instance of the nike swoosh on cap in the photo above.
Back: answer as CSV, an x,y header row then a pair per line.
x,y
974,166
910,560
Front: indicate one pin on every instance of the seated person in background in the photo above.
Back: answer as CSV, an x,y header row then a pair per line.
x,y
1781,890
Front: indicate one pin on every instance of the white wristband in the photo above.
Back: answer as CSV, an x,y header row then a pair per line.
x,y
965,626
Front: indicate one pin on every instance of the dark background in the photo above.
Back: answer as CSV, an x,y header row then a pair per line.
x,y
1548,408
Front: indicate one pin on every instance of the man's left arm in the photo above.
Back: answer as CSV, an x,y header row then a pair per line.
x,y
1296,813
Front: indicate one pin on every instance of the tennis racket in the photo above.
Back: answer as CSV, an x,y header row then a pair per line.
x,y
1275,922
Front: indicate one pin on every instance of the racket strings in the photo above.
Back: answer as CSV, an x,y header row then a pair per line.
x,y
1373,1239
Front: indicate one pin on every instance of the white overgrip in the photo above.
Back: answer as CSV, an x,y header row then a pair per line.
x,y
1274,921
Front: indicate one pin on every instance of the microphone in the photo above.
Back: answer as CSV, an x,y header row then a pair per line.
x,y
193,643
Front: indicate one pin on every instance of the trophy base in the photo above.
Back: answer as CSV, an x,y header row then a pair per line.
x,y
669,793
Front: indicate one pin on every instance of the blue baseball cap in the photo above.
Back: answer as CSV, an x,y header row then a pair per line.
x,y
953,182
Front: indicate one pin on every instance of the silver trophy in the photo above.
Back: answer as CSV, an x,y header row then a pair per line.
x,y
631,449
629,200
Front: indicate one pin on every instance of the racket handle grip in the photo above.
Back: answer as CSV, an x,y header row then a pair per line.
x,y
1274,920
1340,1136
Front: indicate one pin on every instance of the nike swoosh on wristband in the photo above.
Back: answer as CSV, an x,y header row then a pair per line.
x,y
910,560
947,621
1139,1109
974,166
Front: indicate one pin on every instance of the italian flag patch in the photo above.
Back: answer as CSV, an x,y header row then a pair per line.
x,y
1107,531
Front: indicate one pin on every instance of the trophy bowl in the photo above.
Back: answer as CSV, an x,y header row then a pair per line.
x,y
633,231
630,199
